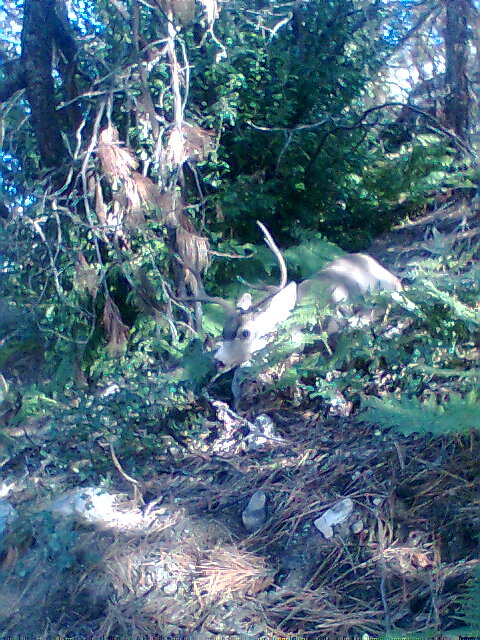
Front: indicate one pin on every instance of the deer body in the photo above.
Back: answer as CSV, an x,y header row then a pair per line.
x,y
350,276
338,283
250,327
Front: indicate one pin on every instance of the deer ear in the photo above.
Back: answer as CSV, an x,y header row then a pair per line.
x,y
244,302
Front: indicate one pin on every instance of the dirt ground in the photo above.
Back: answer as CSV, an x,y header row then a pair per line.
x,y
170,556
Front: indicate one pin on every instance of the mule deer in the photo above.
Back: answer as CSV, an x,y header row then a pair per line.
x,y
249,327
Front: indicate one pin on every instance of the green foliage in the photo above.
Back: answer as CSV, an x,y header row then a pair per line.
x,y
420,375
350,191
470,607
455,414
55,538
34,404
302,145
296,150
22,345
133,409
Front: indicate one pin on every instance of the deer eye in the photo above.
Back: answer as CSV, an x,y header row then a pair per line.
x,y
244,334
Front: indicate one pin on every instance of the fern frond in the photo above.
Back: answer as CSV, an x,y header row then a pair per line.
x,y
469,613
412,415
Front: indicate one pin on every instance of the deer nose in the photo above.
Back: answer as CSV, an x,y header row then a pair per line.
x,y
219,360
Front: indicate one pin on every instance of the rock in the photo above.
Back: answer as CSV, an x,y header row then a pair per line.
x,y
170,588
262,433
255,513
96,506
339,406
111,390
7,515
357,527
88,502
336,515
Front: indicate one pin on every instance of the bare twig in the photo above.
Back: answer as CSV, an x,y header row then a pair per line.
x,y
383,573
88,212
142,70
136,484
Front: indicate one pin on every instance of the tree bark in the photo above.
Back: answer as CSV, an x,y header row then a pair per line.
x,y
37,45
457,99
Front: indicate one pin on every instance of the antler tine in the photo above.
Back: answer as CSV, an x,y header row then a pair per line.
x,y
204,298
270,242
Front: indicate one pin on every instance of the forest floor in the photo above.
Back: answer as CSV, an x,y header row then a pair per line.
x,y
168,555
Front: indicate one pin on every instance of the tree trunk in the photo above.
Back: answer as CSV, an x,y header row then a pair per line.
x,y
37,49
457,100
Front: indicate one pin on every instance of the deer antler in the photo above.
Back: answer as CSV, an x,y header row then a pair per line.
x,y
230,309
203,298
270,242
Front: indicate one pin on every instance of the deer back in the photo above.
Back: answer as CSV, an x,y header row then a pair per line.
x,y
348,277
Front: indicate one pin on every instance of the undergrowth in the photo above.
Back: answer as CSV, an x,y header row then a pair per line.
x,y
418,373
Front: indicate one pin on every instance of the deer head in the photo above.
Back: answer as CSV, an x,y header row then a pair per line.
x,y
250,330
252,326
248,327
